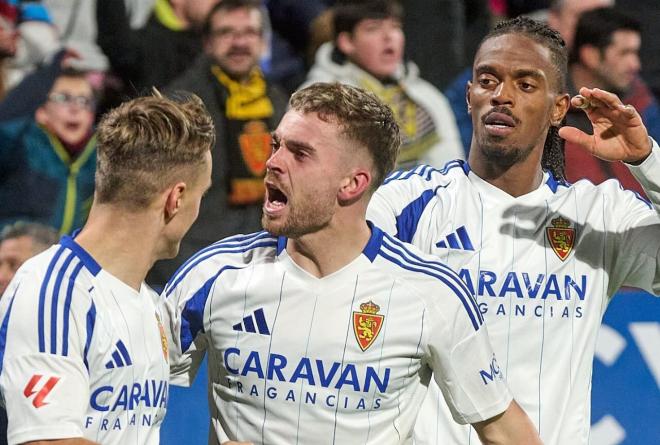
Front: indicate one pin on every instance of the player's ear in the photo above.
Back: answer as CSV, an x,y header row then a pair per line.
x,y
560,108
344,43
173,200
354,186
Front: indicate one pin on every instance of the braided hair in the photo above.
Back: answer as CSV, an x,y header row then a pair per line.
x,y
553,150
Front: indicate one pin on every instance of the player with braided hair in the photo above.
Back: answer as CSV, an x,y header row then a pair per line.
x,y
543,257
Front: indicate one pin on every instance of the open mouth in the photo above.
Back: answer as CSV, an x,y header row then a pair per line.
x,y
72,126
276,200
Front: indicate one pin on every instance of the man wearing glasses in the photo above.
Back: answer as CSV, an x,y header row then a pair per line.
x,y
245,108
47,160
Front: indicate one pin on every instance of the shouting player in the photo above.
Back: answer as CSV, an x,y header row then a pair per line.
x,y
83,353
543,257
322,329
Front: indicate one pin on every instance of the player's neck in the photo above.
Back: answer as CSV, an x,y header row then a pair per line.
x,y
330,249
516,180
121,242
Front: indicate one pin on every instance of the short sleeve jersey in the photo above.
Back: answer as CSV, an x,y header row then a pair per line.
x,y
543,267
341,359
82,354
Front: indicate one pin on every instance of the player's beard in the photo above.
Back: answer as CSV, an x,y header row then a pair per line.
x,y
504,155
305,215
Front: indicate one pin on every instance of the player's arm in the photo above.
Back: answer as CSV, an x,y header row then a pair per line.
x,y
466,369
44,379
511,427
182,305
398,204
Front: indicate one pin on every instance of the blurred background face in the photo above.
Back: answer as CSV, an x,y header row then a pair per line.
x,y
235,41
376,45
565,19
69,110
13,253
8,38
620,62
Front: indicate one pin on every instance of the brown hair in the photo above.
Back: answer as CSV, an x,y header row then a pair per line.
x,y
147,144
362,117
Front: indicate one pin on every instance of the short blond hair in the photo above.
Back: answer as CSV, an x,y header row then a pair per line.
x,y
147,144
361,116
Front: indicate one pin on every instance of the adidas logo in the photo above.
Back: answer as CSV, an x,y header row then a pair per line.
x,y
457,240
120,357
248,324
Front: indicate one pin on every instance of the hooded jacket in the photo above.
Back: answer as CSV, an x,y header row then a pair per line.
x,y
329,67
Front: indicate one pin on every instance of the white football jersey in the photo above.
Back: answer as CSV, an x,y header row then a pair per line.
x,y
543,267
343,359
82,354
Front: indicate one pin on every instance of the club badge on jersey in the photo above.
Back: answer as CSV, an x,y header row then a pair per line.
x,y
163,338
367,324
561,237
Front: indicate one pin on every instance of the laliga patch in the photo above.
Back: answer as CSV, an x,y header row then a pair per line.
x,y
561,237
41,386
367,324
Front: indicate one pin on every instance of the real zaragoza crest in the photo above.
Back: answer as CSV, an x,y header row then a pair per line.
x,y
163,338
561,237
367,324
255,146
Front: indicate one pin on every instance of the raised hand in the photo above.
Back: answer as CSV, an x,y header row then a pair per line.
x,y
618,131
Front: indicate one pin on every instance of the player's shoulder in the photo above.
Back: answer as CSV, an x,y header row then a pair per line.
x,y
234,252
426,176
59,269
424,180
419,269
610,192
436,284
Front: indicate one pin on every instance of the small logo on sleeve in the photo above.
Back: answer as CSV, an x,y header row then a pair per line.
x,y
561,237
367,324
43,391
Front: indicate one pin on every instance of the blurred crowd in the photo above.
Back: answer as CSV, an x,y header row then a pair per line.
x,y
63,63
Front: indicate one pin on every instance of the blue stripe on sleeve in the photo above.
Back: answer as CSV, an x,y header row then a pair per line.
x,y
91,321
226,246
55,300
67,309
3,330
438,266
408,259
406,222
192,315
42,300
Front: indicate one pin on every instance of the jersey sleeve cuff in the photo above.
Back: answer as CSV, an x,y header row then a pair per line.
x,y
647,172
47,432
487,413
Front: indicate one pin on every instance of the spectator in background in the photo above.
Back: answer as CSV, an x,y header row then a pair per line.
x,y
18,243
47,159
27,39
157,53
298,27
245,108
76,23
564,15
605,55
368,52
